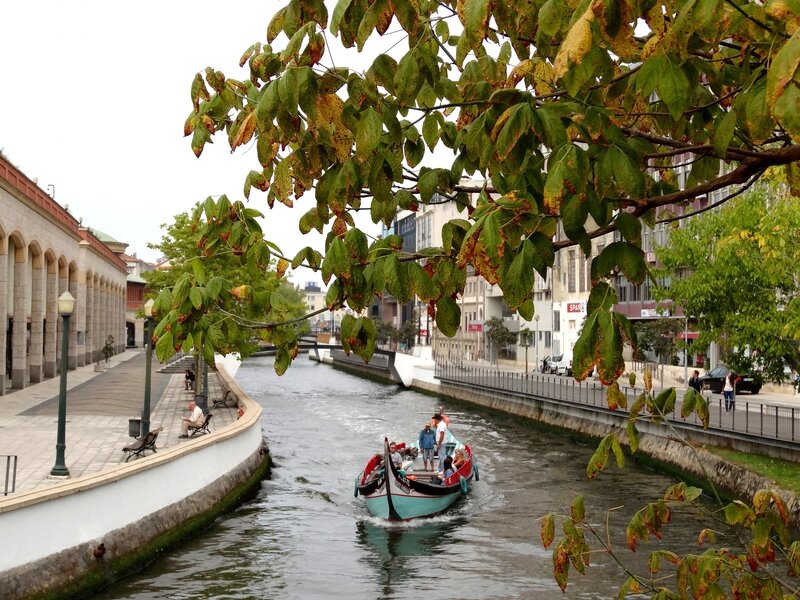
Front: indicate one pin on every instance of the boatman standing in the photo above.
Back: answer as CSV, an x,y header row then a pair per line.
x,y
427,441
441,436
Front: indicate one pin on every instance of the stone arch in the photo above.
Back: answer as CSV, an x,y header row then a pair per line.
x,y
17,309
5,346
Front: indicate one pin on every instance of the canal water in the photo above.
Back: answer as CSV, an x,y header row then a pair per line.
x,y
305,535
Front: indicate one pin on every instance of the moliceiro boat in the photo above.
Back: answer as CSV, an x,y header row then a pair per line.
x,y
399,494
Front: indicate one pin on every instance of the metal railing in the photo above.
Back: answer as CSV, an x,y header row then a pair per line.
x,y
749,418
11,473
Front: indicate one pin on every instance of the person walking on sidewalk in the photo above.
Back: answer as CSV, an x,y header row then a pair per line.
x,y
729,391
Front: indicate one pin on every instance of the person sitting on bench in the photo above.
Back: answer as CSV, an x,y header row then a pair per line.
x,y
193,420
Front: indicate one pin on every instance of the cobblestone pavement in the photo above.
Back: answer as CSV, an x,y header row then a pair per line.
x,y
99,406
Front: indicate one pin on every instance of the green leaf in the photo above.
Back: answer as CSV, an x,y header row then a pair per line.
x,y
288,92
783,69
215,336
674,88
199,271
196,297
630,227
476,19
633,435
786,112
599,459
448,316
336,260
407,80
423,285
368,133
723,133
518,281
430,130
619,455
164,345
397,279
553,17
338,14
514,123
578,509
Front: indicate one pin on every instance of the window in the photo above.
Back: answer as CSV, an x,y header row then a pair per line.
x,y
571,271
556,320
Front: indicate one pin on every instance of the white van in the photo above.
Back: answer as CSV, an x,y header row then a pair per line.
x,y
561,364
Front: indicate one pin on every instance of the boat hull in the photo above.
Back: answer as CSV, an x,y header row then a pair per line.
x,y
409,506
397,495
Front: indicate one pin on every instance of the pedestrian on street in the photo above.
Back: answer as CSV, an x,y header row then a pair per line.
x,y
694,382
729,391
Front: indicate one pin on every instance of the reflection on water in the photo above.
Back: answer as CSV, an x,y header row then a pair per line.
x,y
306,537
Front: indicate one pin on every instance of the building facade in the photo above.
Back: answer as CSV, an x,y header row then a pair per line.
x,y
45,251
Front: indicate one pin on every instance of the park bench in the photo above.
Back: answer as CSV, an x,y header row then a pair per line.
x,y
203,428
142,445
222,402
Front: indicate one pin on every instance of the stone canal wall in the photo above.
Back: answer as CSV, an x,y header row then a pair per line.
x,y
136,511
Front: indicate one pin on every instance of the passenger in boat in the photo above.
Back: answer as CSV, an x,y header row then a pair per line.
x,y
459,458
396,457
427,441
441,436
448,467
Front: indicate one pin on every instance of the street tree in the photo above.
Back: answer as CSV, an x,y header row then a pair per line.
x,y
659,336
578,116
735,272
243,291
499,336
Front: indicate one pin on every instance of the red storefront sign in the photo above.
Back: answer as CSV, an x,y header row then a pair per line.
x,y
575,307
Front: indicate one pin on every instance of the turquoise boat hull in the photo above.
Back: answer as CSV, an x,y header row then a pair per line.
x,y
401,494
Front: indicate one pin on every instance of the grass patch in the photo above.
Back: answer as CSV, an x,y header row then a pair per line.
x,y
783,472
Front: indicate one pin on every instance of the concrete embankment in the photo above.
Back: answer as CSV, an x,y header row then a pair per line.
x,y
657,444
135,511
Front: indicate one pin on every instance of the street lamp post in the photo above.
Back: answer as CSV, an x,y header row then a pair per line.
x,y
66,304
536,339
686,349
148,336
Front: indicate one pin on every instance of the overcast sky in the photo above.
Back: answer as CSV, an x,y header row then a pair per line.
x,y
93,99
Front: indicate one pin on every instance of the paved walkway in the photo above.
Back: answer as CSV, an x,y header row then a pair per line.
x,y
99,405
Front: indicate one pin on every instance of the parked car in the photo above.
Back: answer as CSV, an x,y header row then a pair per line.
x,y
747,382
558,365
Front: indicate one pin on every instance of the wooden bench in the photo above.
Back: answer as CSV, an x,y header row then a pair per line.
x,y
223,401
142,445
203,428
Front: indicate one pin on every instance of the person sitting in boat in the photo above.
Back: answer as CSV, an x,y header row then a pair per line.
x,y
459,458
396,457
448,467
448,471
427,440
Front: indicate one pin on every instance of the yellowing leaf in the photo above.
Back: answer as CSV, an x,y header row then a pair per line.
x,y
576,45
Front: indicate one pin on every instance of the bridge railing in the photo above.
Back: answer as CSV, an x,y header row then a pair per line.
x,y
751,418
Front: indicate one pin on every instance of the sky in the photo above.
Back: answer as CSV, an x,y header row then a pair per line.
x,y
93,99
